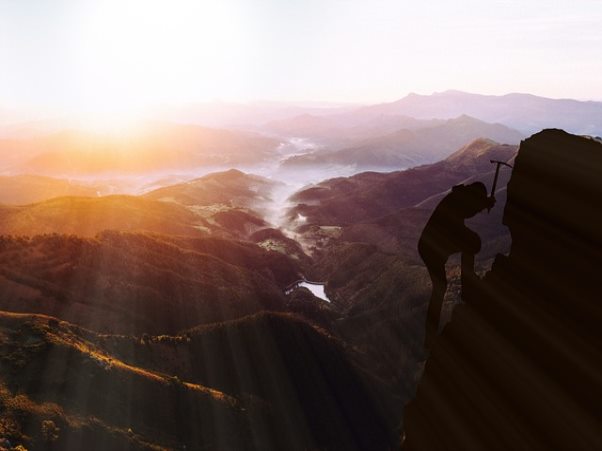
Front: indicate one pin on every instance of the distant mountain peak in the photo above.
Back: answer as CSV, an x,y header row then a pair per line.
x,y
464,118
476,146
448,92
229,174
234,172
479,152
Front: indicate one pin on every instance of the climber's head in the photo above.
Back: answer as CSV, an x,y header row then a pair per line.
x,y
471,199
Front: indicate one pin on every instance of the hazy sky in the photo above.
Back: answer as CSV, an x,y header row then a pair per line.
x,y
106,54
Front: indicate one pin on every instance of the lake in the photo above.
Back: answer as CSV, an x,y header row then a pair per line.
x,y
317,290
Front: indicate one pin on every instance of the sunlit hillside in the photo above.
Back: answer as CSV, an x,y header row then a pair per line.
x,y
147,147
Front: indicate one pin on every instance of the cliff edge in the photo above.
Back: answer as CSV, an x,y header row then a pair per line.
x,y
520,364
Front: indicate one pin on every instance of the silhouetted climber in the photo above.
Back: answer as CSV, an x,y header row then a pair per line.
x,y
445,234
520,362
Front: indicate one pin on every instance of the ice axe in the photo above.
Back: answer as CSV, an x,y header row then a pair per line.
x,y
497,173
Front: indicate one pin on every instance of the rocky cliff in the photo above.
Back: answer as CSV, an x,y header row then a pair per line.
x,y
520,364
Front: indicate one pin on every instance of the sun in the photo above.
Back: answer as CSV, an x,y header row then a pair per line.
x,y
122,122
133,54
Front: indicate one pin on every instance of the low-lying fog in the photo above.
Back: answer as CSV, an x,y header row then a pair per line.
x,y
290,179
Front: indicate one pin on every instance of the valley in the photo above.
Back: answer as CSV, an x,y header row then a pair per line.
x,y
146,285
206,286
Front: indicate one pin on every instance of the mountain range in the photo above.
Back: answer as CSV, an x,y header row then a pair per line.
x,y
166,316
410,147
524,112
368,195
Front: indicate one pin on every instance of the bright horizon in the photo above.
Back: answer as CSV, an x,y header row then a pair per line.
x,y
127,56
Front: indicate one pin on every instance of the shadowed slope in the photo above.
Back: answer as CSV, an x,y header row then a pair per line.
x,y
130,282
55,372
268,381
319,399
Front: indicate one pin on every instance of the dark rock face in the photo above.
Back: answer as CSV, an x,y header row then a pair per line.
x,y
520,364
